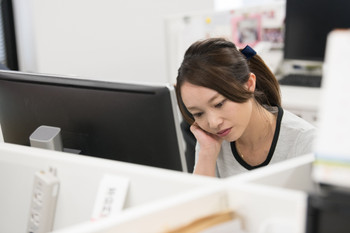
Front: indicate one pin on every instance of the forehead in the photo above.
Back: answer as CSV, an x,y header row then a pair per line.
x,y
193,95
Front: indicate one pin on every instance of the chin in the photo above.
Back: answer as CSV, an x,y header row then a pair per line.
x,y
231,138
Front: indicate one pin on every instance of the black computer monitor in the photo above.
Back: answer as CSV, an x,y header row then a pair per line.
x,y
307,25
128,122
328,210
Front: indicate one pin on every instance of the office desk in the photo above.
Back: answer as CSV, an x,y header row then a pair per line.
x,y
302,101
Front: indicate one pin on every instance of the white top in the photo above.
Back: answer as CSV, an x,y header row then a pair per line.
x,y
293,137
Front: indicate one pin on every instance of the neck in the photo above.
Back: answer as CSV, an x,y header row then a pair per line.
x,y
260,129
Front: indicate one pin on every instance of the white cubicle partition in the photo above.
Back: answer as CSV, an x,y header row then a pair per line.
x,y
79,177
292,174
257,209
270,199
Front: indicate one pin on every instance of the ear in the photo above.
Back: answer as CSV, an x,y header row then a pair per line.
x,y
250,84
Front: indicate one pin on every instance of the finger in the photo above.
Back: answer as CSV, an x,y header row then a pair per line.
x,y
194,127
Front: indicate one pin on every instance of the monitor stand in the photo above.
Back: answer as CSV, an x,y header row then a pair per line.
x,y
49,137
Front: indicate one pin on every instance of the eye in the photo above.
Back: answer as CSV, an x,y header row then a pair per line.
x,y
219,105
197,114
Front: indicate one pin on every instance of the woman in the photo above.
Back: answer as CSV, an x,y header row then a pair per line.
x,y
232,101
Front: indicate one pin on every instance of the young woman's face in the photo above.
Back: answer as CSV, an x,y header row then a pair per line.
x,y
214,113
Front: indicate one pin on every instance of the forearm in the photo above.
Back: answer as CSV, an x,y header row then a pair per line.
x,y
205,165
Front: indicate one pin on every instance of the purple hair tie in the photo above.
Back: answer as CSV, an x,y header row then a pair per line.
x,y
248,52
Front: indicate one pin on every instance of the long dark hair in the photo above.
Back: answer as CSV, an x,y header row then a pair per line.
x,y
216,63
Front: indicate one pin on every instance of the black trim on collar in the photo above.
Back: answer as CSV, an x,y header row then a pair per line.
x,y
272,148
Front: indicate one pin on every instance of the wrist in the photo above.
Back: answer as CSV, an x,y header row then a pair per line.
x,y
205,165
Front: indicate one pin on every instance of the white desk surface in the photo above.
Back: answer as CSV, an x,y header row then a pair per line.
x,y
305,98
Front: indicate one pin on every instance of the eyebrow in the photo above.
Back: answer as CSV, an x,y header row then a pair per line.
x,y
209,101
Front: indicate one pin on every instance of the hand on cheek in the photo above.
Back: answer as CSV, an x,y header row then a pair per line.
x,y
207,141
209,148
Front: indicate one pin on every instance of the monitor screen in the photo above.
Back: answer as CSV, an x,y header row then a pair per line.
x,y
128,122
307,25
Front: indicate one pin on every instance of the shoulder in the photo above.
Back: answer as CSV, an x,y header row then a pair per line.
x,y
296,135
293,123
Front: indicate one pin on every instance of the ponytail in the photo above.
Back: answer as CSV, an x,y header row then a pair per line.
x,y
267,90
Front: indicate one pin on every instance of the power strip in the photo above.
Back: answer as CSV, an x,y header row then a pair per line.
x,y
43,202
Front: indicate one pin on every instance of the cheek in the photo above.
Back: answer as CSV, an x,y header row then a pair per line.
x,y
233,112
245,114
203,124
239,113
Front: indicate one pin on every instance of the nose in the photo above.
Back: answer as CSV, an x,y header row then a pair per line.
x,y
214,121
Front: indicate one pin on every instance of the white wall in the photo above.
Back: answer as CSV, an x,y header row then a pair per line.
x,y
103,39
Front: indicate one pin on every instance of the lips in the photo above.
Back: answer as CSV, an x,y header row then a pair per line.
x,y
224,132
